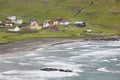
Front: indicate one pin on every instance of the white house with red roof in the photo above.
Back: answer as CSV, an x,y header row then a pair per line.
x,y
8,23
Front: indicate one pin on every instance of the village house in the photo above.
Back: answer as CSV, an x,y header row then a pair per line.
x,y
8,23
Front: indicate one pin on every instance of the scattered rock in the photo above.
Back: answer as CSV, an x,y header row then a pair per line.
x,y
54,69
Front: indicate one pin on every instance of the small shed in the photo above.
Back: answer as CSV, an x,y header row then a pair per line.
x,y
64,23
80,24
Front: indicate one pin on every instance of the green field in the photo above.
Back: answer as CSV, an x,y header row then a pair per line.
x,y
102,16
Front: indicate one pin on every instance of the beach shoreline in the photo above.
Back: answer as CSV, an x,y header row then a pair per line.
x,y
20,47
23,47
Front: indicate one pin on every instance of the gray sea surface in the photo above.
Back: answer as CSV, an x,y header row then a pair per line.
x,y
88,60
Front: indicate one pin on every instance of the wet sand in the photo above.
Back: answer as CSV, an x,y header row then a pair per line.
x,y
20,47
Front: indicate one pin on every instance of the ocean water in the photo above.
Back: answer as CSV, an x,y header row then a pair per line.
x,y
89,60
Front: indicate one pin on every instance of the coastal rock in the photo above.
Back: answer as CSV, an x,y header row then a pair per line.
x,y
54,69
109,38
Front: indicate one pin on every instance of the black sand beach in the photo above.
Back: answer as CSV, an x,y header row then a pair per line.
x,y
32,44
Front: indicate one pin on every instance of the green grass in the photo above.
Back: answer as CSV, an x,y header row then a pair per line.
x,y
102,12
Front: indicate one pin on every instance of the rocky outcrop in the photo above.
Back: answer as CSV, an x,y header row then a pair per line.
x,y
109,38
55,69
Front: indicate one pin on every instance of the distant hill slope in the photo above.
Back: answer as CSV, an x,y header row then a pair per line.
x,y
93,11
101,16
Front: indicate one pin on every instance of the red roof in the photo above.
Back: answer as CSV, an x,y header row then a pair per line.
x,y
8,22
59,19
50,22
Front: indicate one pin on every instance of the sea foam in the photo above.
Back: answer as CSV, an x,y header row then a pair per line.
x,y
38,73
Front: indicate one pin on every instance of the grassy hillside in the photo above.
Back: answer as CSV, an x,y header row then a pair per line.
x,y
100,15
102,11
